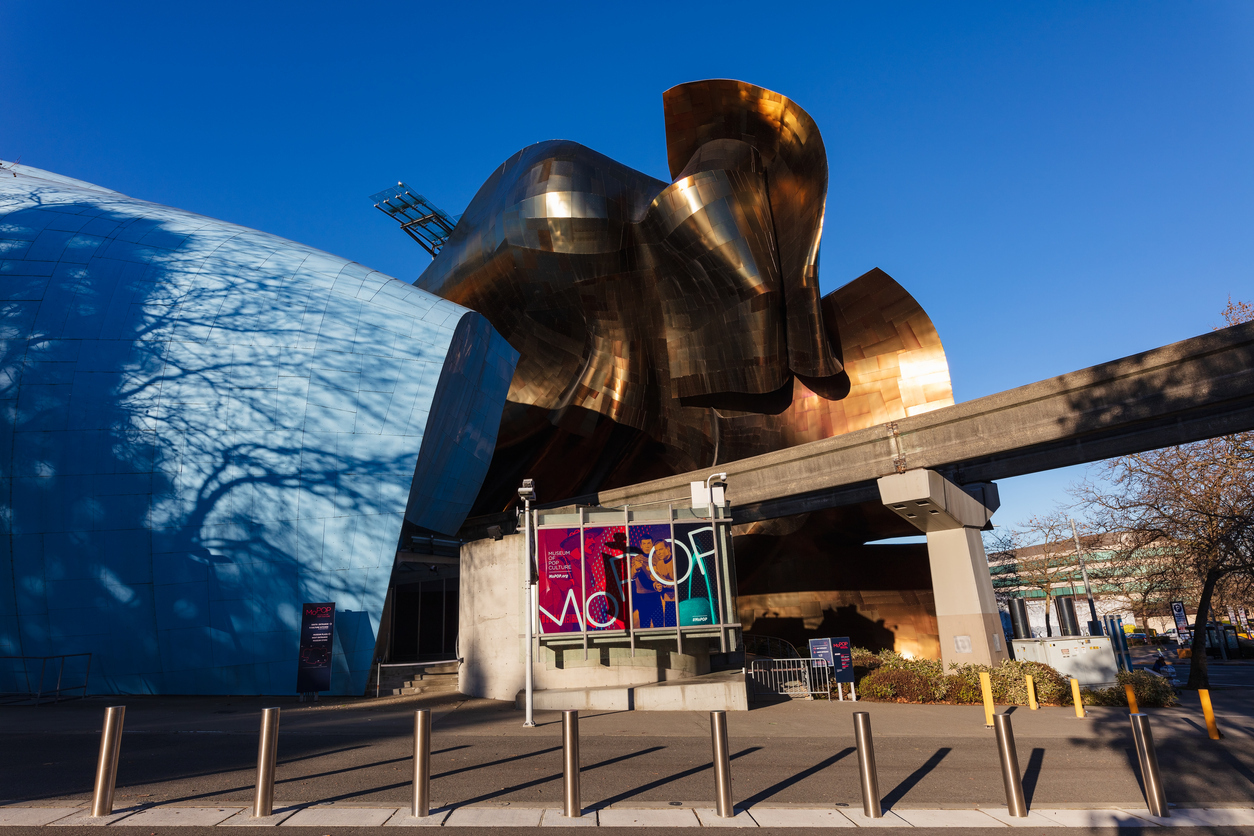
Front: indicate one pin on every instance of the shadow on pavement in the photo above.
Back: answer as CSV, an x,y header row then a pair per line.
x,y
762,795
660,782
898,792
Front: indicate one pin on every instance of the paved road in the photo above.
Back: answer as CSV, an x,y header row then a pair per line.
x,y
203,751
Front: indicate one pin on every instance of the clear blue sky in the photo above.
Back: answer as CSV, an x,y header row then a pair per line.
x,y
1058,183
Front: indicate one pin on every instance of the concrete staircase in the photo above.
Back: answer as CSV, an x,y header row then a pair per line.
x,y
432,679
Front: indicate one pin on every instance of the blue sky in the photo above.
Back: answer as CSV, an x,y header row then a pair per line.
x,y
1059,184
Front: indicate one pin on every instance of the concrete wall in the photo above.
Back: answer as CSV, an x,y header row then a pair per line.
x,y
490,636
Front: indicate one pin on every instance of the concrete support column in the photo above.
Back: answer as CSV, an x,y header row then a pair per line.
x,y
952,516
966,611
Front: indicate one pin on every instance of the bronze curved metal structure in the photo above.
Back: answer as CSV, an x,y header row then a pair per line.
x,y
666,327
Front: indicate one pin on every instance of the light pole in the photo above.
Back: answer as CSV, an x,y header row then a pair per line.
x,y
1095,626
527,493
709,492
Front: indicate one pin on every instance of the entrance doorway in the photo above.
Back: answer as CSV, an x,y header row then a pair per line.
x,y
424,627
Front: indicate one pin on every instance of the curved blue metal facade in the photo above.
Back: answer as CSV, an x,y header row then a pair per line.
x,y
205,425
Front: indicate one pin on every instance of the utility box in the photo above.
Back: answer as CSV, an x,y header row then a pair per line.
x,y
1090,659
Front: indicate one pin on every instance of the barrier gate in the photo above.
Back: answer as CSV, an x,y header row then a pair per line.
x,y
788,679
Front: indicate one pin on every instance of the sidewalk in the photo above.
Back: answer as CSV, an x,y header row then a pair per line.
x,y
344,757
327,816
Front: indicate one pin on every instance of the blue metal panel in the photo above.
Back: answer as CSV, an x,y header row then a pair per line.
x,y
205,425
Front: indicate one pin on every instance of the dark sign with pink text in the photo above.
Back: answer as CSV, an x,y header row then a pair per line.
x,y
317,629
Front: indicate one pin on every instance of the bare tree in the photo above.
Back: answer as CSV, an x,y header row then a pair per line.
x,y
1137,566
1040,554
1193,502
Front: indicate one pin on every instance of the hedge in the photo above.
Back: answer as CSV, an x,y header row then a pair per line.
x,y
890,677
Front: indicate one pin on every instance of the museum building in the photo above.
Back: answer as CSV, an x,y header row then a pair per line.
x,y
207,425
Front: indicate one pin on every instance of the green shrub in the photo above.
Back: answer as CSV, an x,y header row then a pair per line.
x,y
889,676
902,685
1151,691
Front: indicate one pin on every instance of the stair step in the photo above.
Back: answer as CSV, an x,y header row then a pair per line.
x,y
450,687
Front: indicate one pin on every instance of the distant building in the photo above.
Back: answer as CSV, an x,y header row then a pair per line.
x,y
1133,596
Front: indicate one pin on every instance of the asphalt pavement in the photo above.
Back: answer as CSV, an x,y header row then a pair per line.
x,y
200,751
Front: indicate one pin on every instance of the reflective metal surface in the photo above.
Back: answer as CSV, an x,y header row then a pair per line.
x,y
571,806
667,327
722,765
1151,776
1011,779
267,753
107,761
420,806
867,773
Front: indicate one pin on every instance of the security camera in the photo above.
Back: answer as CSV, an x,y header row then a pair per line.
x,y
528,490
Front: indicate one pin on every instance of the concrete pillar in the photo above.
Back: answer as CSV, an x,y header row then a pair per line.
x,y
952,516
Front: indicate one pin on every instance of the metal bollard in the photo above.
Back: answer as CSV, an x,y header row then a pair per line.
x,y
1150,775
571,806
1075,696
267,752
1128,692
722,764
1031,693
986,691
1212,728
421,806
107,761
866,765
1010,776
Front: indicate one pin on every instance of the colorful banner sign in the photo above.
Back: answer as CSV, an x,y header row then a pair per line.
x,y
627,575
560,592
317,631
1245,625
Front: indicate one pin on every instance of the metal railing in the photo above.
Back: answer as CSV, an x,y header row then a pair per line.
x,y
378,671
792,679
769,646
20,674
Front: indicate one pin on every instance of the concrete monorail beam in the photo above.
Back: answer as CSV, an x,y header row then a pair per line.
x,y
1194,389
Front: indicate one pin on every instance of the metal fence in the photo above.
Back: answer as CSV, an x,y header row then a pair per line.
x,y
788,679
22,680
769,646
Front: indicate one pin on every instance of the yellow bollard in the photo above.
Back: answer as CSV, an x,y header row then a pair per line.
x,y
1031,694
1075,695
987,687
1211,728
1132,708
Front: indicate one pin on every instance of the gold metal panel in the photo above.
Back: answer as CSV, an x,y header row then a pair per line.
x,y
667,327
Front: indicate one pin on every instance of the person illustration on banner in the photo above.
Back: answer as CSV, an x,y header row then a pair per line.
x,y
653,573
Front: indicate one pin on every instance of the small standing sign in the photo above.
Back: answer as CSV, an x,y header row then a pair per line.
x,y
317,628
844,660
821,652
1183,636
837,655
